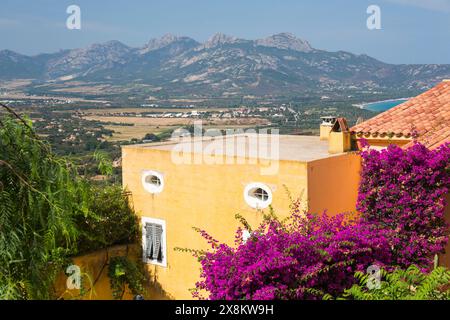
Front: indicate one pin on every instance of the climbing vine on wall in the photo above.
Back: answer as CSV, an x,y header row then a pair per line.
x,y
122,273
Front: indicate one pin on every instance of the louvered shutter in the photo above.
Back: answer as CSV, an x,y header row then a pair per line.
x,y
157,233
149,240
153,235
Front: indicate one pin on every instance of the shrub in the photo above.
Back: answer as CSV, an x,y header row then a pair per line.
x,y
409,284
303,257
404,190
111,221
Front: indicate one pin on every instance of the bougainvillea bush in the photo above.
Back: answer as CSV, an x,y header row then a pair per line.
x,y
303,257
404,190
401,201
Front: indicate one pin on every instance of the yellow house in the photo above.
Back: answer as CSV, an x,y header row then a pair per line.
x,y
205,180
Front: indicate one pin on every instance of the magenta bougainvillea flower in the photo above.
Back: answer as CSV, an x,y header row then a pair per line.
x,y
404,190
401,201
302,258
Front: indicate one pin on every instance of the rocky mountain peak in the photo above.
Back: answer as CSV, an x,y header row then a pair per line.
x,y
220,39
222,65
164,41
285,41
113,47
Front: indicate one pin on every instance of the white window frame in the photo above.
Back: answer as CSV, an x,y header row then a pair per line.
x,y
254,202
150,187
163,263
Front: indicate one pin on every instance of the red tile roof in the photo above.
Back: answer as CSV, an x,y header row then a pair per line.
x,y
427,116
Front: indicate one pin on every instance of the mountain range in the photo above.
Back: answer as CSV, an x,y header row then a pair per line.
x,y
223,65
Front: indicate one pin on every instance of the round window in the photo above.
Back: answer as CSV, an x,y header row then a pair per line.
x,y
152,181
258,195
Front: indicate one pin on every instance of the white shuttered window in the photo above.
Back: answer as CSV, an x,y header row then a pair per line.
x,y
154,241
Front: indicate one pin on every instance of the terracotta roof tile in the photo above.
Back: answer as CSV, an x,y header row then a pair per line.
x,y
427,115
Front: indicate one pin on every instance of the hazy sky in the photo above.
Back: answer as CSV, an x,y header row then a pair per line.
x,y
413,31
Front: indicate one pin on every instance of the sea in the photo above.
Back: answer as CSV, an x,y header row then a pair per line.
x,y
384,105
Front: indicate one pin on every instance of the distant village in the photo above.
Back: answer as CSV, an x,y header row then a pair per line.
x,y
274,112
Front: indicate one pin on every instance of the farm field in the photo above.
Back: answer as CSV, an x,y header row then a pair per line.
x,y
126,133
127,128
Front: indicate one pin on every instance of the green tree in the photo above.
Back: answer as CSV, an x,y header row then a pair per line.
x,y
49,213
40,196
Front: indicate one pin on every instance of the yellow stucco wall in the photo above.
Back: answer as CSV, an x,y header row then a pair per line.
x,y
333,183
444,259
203,196
208,197
94,272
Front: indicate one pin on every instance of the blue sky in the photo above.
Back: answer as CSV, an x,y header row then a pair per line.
x,y
413,31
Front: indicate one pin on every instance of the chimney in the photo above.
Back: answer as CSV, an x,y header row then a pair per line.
x,y
339,138
325,126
